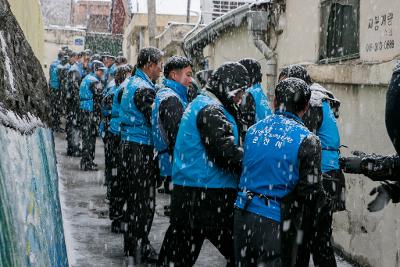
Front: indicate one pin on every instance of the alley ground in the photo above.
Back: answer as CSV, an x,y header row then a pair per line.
x,y
85,215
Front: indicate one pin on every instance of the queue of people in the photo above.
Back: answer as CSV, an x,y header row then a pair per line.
x,y
259,178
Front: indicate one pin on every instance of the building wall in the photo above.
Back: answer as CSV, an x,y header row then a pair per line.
x,y
56,12
234,45
119,16
299,26
369,238
136,34
29,17
55,38
82,11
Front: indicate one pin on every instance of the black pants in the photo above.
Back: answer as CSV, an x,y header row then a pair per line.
x,y
115,187
139,172
109,156
198,214
56,110
72,126
257,240
89,133
317,240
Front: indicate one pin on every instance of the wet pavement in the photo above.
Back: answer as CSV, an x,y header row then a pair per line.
x,y
85,215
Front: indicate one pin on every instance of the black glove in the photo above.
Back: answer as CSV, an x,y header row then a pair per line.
x,y
382,198
381,168
352,164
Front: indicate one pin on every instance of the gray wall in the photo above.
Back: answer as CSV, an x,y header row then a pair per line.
x,y
56,12
369,238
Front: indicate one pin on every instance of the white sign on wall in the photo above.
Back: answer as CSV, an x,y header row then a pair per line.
x,y
379,29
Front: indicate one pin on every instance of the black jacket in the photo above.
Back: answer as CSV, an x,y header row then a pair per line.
x,y
217,135
170,115
248,109
144,99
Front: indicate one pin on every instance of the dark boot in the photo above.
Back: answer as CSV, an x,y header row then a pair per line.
x,y
148,253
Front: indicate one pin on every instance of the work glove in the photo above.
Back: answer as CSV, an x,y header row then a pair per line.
x,y
352,164
380,168
381,199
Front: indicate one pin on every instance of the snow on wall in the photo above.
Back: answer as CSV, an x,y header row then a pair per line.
x,y
31,228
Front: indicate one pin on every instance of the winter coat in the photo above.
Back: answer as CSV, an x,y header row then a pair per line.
x,y
54,82
206,152
168,108
275,164
115,122
255,105
90,94
135,110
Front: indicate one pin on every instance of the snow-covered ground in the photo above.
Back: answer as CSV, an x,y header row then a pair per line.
x,y
85,215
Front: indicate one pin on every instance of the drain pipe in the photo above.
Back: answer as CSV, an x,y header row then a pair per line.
x,y
257,26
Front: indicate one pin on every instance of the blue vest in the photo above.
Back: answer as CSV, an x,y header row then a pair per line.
x,y
86,93
115,122
328,133
111,71
173,89
63,69
261,101
191,165
78,68
134,126
54,81
270,163
105,108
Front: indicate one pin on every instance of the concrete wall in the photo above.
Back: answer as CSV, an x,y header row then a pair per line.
x,y
138,30
369,238
31,227
234,45
29,17
299,41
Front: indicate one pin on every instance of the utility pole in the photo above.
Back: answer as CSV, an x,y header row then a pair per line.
x,y
188,12
151,11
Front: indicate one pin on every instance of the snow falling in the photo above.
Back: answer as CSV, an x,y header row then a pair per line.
x,y
10,75
199,133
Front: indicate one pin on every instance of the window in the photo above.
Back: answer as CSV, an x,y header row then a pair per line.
x,y
339,30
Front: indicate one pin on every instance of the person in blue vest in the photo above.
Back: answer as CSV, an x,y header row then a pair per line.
x,y
106,106
255,104
140,172
382,168
62,71
115,187
55,92
206,166
321,120
108,60
170,103
89,95
86,55
280,179
75,75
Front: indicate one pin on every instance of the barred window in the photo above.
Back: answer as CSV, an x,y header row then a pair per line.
x,y
339,30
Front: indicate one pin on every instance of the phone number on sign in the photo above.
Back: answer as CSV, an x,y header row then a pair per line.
x,y
378,46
